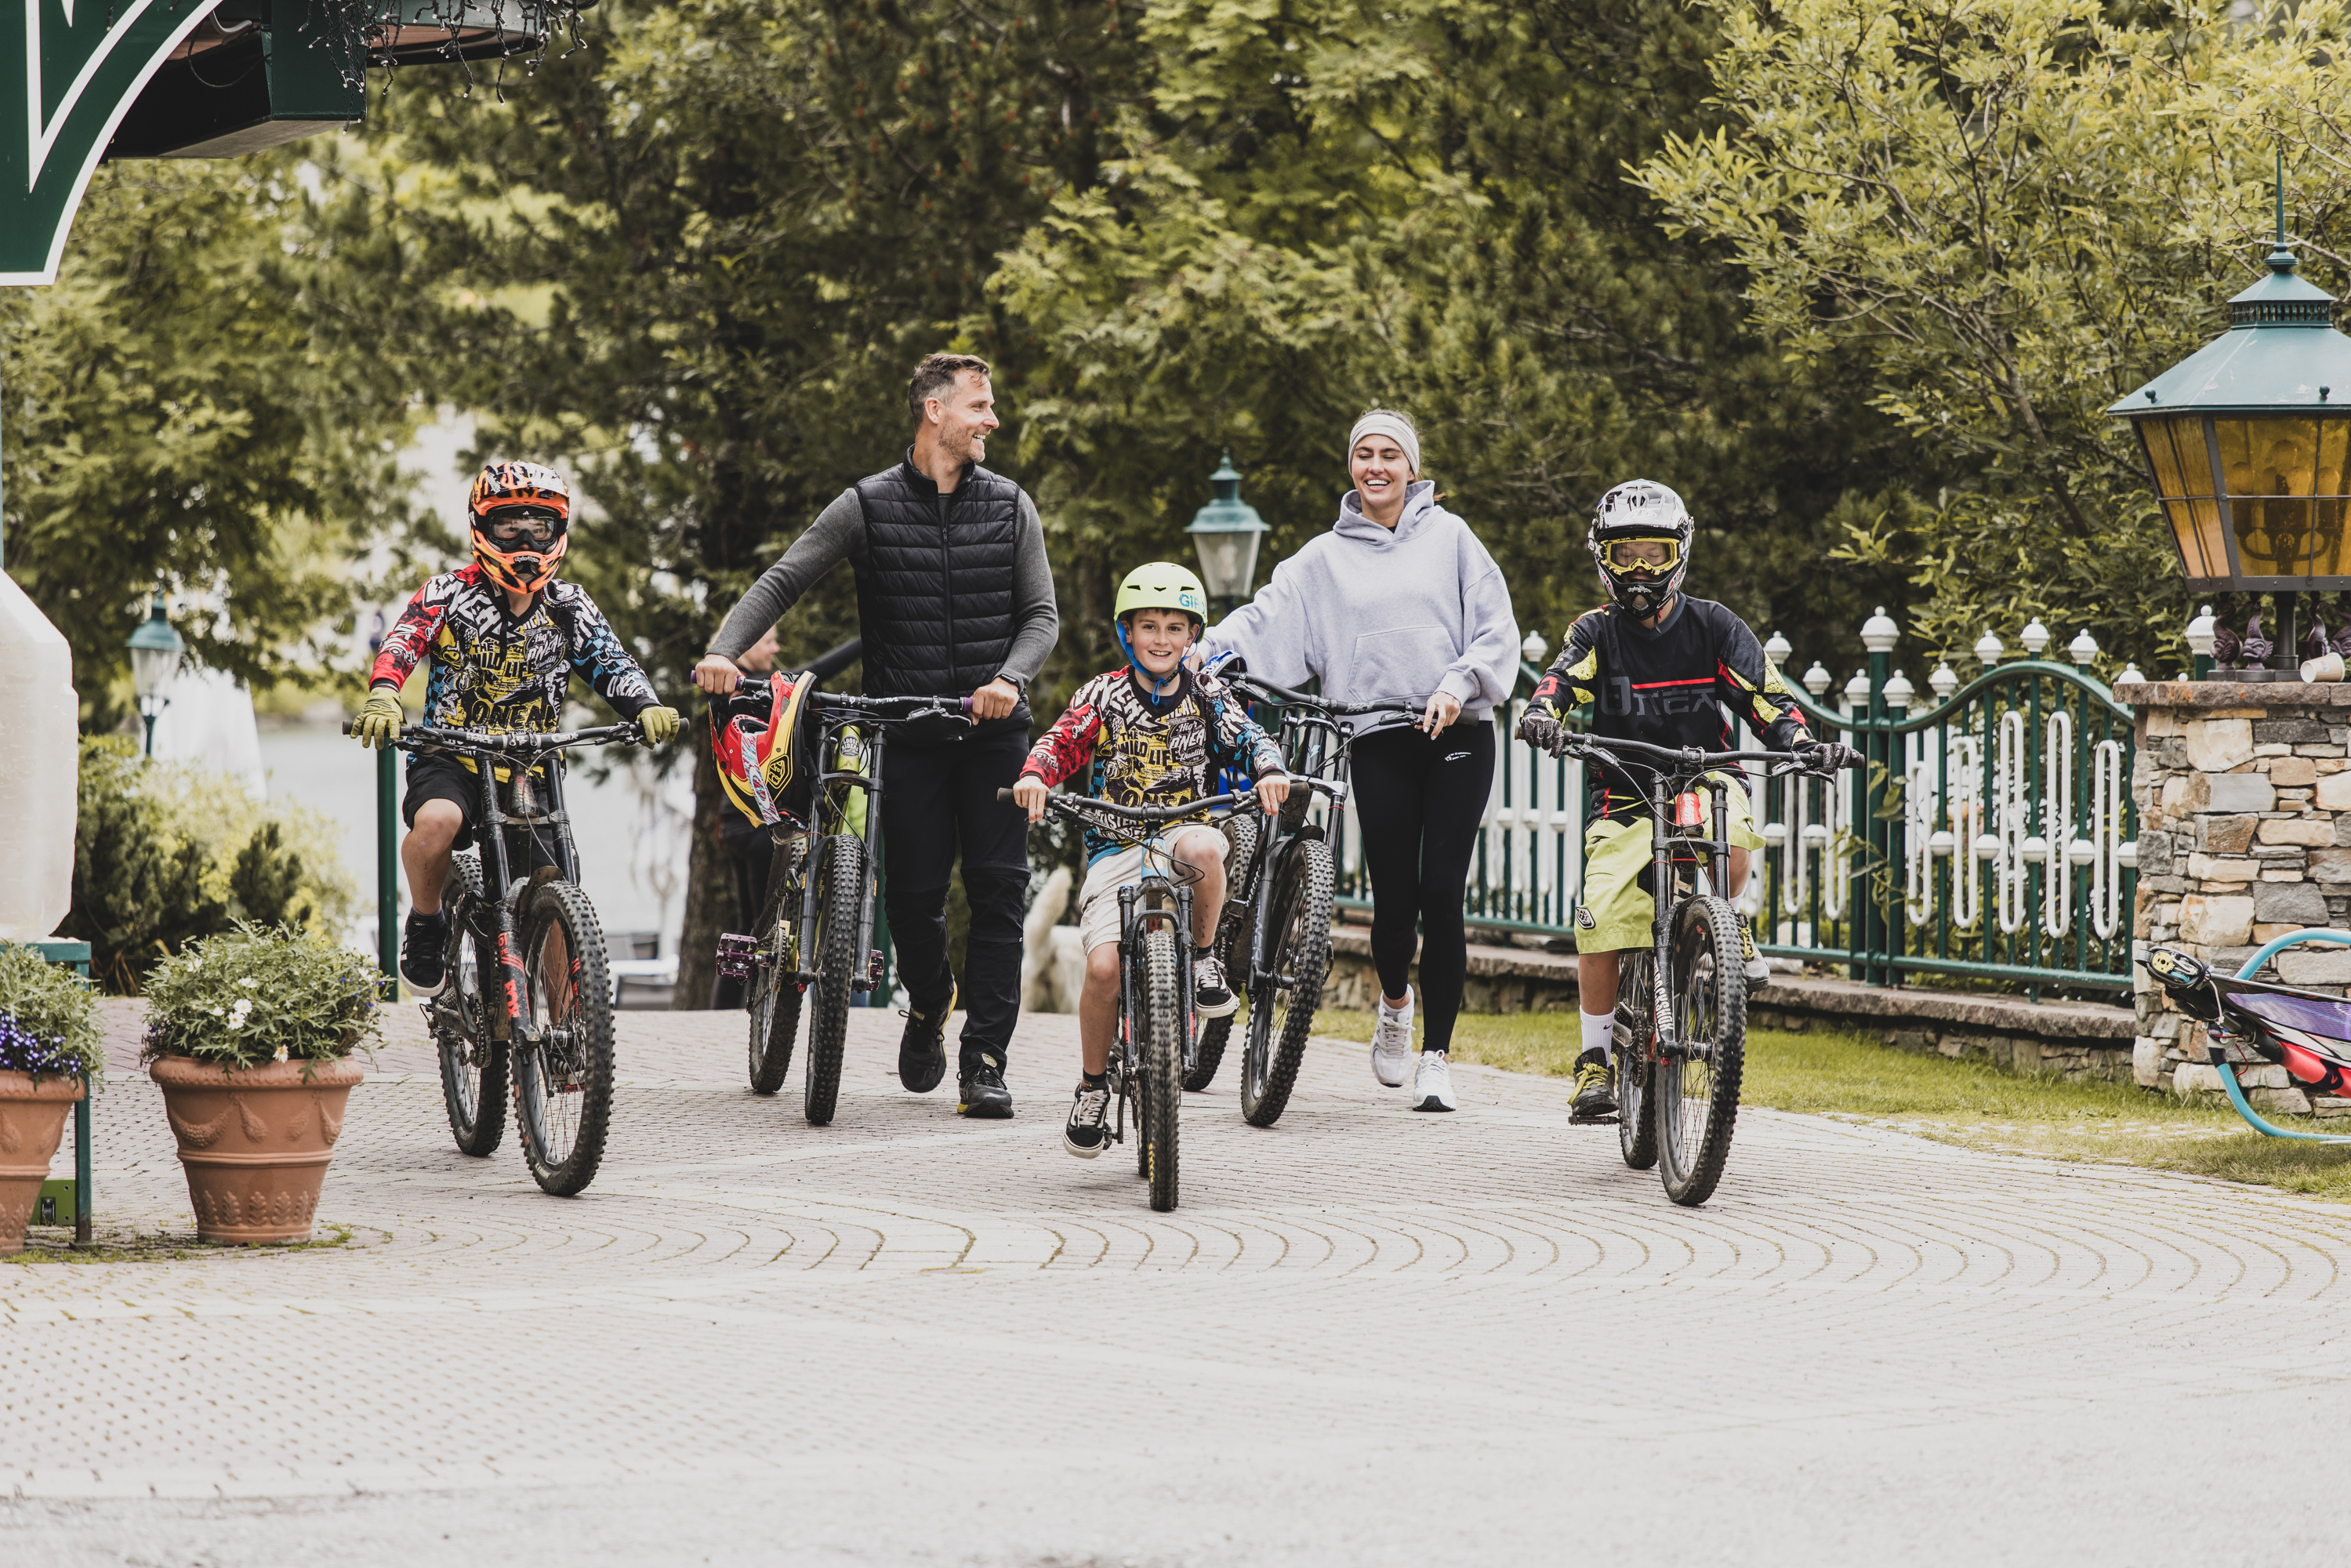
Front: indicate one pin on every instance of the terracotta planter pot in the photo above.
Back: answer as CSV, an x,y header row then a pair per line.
x,y
32,1119
255,1141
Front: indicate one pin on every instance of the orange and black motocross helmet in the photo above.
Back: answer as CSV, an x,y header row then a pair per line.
x,y
521,517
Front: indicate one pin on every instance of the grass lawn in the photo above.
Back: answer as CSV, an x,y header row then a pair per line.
x,y
1970,1103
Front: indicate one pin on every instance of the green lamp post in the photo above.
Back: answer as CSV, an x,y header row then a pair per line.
x,y
155,653
1225,534
2247,447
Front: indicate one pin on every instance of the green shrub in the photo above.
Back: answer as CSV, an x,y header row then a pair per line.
x,y
54,1015
255,995
271,860
139,890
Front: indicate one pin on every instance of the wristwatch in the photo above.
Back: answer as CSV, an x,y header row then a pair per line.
x,y
1014,681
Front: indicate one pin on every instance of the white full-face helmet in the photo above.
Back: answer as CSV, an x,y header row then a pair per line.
x,y
1627,526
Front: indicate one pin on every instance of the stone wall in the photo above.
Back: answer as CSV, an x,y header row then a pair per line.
x,y
2244,799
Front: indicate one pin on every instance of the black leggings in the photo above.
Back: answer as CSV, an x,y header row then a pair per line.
x,y
1417,802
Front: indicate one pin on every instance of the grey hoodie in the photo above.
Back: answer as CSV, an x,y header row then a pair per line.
x,y
1375,613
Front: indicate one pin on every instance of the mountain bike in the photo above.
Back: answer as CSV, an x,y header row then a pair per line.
x,y
813,939
1156,1042
1275,932
546,1015
1679,1039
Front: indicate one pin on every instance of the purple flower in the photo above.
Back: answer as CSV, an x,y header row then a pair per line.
x,y
23,1051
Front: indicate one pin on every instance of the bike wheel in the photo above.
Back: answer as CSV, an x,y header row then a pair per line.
x,y
838,899
1697,1076
563,1084
472,1064
1301,919
1163,1066
1232,946
1636,1066
774,998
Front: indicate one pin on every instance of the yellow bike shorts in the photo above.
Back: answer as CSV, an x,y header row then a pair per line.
x,y
1615,912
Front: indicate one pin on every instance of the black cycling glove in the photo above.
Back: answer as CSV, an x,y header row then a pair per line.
x,y
1538,728
1826,756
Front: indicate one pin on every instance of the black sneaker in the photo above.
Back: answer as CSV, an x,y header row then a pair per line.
x,y
420,952
981,1092
1088,1129
1595,1088
1212,994
922,1048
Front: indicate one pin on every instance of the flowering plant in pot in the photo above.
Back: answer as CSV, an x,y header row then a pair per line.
x,y
49,1058
250,1036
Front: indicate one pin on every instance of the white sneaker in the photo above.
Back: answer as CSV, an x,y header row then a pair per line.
x,y
1392,1047
1432,1083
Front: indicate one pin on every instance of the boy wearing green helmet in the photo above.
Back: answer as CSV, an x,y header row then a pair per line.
x,y
1152,734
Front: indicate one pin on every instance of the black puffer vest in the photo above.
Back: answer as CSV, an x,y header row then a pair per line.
x,y
935,585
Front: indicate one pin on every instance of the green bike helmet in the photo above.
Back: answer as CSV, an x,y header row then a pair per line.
x,y
1161,585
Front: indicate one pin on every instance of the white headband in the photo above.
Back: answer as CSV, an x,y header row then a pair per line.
x,y
1379,422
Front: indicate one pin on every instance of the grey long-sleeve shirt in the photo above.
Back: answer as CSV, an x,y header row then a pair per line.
x,y
838,534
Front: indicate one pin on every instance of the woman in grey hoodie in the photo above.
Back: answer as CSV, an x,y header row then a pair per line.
x,y
1399,600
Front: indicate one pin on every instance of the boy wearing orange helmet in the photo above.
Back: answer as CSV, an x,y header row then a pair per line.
x,y
504,637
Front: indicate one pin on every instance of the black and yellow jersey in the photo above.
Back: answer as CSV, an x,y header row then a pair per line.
x,y
1670,686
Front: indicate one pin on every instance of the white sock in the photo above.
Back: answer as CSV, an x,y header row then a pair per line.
x,y
1595,1032
1402,1015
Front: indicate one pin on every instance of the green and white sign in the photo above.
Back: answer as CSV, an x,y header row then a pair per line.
x,y
68,72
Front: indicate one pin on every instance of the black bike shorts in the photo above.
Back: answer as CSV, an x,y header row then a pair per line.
x,y
431,776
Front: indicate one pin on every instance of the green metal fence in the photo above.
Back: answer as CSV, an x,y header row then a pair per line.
x,y
1991,835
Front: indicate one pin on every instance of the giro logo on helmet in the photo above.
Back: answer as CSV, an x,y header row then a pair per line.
x,y
521,517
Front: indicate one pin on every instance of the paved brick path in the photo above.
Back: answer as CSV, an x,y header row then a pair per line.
x,y
1367,1337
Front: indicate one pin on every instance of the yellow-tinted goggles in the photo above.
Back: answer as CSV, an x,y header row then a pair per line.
x,y
1654,557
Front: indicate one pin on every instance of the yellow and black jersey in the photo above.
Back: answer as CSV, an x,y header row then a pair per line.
x,y
1678,685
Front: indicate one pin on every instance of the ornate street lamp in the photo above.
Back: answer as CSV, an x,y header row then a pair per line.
x,y
1226,533
155,652
2247,449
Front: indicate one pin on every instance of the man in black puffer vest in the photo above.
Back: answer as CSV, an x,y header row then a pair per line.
x,y
956,596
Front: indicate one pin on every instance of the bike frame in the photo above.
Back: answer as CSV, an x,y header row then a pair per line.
x,y
493,924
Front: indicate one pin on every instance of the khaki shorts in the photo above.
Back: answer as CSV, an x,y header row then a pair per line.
x,y
1098,896
1615,912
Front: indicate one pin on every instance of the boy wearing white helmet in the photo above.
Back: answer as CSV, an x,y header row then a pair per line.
x,y
1152,734
1660,667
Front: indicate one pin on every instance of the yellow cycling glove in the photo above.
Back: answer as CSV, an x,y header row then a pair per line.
x,y
659,724
379,720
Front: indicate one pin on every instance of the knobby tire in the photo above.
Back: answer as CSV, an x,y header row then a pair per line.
x,y
1697,1095
840,899
1301,916
563,1090
774,998
1637,1130
1163,1058
475,1096
1233,946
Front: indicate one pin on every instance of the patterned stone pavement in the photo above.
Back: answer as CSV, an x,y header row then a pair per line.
x,y
1367,1337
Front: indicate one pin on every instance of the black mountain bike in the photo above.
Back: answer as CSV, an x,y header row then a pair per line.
x,y
814,938
1275,932
1680,1032
545,1014
1156,1041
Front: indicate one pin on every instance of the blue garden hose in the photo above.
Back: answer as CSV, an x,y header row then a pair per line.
x,y
2220,1059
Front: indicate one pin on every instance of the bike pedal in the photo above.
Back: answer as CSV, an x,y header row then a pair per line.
x,y
736,954
1610,1120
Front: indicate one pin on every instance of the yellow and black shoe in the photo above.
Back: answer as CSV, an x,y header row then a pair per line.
x,y
922,1048
981,1093
1758,973
1595,1088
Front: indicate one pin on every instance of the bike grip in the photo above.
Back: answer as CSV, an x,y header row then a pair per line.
x,y
966,707
347,726
1003,797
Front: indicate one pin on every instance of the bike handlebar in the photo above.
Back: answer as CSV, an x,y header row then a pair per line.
x,y
417,735
1688,756
916,707
1080,804
1343,710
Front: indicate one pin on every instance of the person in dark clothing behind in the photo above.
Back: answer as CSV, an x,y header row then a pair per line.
x,y
955,596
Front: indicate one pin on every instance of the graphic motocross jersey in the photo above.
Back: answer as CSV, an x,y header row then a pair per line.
x,y
493,671
1138,752
1666,687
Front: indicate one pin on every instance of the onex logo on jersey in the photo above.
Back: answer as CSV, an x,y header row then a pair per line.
x,y
1624,698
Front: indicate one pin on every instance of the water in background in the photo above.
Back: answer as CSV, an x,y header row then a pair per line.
x,y
633,833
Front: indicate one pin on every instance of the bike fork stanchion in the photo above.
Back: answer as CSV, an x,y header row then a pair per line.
x,y
387,870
